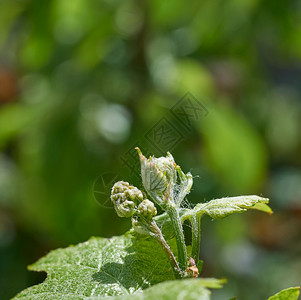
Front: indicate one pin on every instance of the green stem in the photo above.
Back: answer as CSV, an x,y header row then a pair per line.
x,y
161,240
177,226
196,237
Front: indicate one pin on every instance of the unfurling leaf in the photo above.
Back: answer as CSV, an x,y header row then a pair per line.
x,y
220,208
164,180
153,179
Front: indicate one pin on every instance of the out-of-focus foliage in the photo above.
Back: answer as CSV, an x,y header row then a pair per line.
x,y
290,293
82,82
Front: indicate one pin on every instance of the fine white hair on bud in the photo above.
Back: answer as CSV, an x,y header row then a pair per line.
x,y
147,209
125,198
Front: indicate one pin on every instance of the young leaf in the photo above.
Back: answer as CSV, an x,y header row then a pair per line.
x,y
287,294
100,267
220,208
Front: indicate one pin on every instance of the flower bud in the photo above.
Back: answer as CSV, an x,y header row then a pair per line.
x,y
125,198
147,209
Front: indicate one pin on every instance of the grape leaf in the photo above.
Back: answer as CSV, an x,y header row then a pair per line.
x,y
118,268
220,208
188,289
100,267
287,294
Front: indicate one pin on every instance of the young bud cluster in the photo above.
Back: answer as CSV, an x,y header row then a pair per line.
x,y
125,198
147,209
128,202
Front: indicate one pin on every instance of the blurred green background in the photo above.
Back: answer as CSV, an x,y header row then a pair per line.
x,y
82,82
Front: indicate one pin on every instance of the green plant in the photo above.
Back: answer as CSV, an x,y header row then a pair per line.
x,y
152,259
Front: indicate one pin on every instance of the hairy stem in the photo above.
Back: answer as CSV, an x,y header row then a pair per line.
x,y
161,240
177,226
196,237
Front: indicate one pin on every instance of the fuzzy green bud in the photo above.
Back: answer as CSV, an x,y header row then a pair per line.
x,y
125,198
166,165
158,175
164,180
147,209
